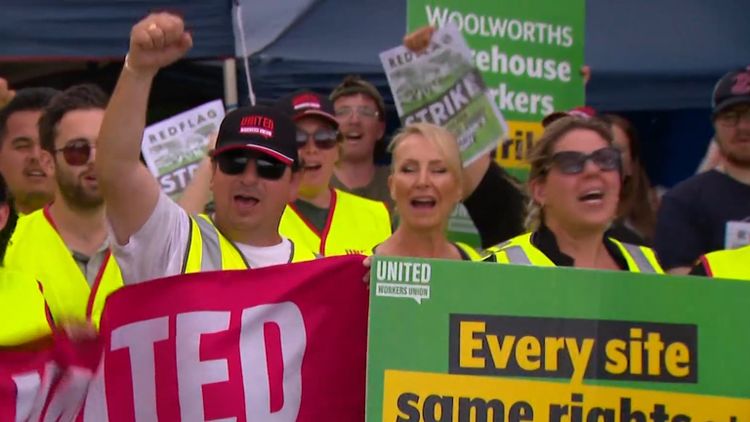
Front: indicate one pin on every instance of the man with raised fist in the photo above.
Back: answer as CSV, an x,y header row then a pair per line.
x,y
254,176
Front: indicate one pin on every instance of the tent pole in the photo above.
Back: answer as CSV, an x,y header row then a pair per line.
x,y
230,84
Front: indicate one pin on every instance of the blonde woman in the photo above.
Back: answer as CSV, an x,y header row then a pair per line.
x,y
574,185
426,184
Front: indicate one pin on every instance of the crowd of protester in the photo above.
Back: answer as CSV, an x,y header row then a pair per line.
x,y
297,181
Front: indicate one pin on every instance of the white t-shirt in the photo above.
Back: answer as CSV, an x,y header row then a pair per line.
x,y
158,248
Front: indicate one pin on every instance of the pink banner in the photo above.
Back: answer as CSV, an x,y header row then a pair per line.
x,y
46,380
284,343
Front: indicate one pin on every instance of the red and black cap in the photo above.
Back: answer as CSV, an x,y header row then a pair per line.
x,y
264,129
307,103
732,89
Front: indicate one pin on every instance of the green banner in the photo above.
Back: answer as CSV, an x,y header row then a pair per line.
x,y
530,53
461,341
461,228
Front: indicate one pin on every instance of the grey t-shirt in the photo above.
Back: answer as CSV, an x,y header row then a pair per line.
x,y
90,265
377,189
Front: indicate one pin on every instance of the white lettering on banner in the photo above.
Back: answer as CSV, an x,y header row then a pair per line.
x,y
405,272
139,338
51,371
192,372
27,387
522,102
255,377
69,395
499,27
95,408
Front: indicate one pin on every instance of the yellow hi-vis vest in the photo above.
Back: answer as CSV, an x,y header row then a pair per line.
x,y
469,251
37,249
209,250
355,225
729,263
520,250
22,309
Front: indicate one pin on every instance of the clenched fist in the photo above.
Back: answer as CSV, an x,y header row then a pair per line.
x,y
158,40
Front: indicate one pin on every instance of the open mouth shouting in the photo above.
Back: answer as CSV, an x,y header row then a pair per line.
x,y
312,167
423,203
353,135
592,197
245,201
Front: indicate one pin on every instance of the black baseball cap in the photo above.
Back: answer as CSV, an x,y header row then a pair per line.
x,y
732,89
307,103
264,129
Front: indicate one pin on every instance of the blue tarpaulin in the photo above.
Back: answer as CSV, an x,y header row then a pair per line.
x,y
645,55
99,29
656,58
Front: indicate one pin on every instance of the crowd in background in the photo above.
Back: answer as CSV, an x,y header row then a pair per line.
x,y
298,180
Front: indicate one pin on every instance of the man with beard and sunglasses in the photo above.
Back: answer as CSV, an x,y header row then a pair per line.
x,y
70,234
254,175
326,220
26,167
711,211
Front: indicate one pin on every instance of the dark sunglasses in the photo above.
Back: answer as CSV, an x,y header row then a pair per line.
x,y
573,162
76,153
323,138
235,162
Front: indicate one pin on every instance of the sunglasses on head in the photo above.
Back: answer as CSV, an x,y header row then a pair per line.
x,y
323,138
573,162
77,152
235,162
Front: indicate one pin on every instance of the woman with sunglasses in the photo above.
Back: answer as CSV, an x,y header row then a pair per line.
x,y
574,185
325,220
426,185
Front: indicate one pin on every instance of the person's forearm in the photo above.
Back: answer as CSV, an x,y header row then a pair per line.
x,y
129,190
122,129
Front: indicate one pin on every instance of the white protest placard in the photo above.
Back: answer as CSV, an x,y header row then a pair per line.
x,y
174,147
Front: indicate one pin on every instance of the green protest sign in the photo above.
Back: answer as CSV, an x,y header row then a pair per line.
x,y
461,341
530,53
462,229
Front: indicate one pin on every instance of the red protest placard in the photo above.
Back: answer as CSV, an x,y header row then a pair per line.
x,y
280,343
